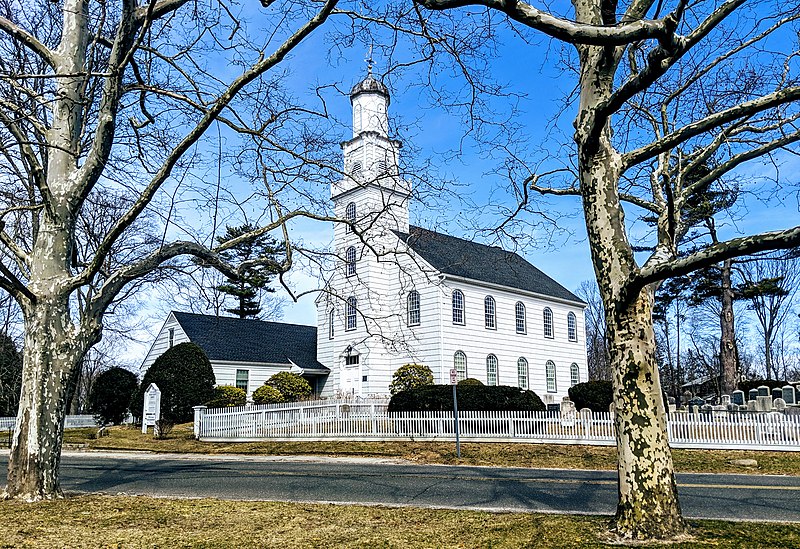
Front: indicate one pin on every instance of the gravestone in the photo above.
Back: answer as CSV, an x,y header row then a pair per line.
x,y
751,405
753,394
788,394
779,404
738,397
763,391
764,404
567,408
687,397
726,399
777,393
151,411
586,414
792,411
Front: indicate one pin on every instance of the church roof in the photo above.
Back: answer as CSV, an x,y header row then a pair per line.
x,y
370,84
243,340
482,263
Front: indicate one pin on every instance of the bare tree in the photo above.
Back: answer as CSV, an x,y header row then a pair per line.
x,y
108,102
596,343
770,283
662,89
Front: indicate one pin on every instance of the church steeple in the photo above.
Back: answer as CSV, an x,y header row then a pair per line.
x,y
370,100
371,158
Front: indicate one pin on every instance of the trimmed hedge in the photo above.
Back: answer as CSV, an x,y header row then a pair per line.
x,y
756,383
470,381
186,379
111,395
410,376
470,398
292,386
595,395
266,394
226,396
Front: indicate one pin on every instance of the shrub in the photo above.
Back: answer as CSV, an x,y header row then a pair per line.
x,y
111,395
227,395
267,394
186,379
410,376
470,381
163,428
595,395
292,386
470,398
756,383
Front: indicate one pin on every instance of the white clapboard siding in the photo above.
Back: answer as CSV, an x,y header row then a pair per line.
x,y
370,420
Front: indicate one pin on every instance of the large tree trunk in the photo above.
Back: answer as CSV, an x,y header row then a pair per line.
x,y
648,499
48,360
728,356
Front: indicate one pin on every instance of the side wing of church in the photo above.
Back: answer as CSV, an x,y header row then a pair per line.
x,y
403,294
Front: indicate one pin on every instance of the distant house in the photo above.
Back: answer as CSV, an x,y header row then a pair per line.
x,y
244,353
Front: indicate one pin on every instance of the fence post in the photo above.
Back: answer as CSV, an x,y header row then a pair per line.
x,y
199,414
372,417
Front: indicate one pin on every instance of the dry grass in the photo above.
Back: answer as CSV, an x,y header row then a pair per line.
x,y
113,521
499,454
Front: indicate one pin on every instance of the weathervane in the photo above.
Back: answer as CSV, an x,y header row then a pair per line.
x,y
369,61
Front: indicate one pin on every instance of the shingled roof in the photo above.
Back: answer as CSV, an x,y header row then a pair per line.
x,y
241,340
482,263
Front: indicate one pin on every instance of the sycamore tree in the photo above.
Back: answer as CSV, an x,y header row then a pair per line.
x,y
110,104
662,90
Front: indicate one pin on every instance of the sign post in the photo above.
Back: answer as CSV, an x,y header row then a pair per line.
x,y
454,382
151,411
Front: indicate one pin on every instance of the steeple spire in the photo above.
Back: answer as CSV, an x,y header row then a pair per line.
x,y
369,61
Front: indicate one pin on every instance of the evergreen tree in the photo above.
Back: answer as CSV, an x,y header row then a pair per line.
x,y
10,376
248,288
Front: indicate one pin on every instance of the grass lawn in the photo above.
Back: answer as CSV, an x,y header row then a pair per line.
x,y
122,521
515,455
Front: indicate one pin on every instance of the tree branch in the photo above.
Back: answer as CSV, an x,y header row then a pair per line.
x,y
564,29
747,245
30,41
775,99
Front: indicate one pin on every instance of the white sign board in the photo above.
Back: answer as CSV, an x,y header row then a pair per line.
x,y
453,376
151,412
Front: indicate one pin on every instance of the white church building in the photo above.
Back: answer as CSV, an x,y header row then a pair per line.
x,y
402,294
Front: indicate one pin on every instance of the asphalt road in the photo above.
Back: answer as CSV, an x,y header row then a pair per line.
x,y
738,497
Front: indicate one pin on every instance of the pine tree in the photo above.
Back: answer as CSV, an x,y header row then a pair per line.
x,y
248,288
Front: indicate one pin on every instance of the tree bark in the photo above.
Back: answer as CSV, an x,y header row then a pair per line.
x,y
48,361
728,355
648,500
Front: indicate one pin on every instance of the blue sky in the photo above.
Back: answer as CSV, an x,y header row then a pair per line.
x,y
532,72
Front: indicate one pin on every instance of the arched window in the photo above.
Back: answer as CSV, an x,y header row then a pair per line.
x,y
572,327
413,308
489,313
351,318
350,214
458,307
550,373
519,314
548,322
522,372
574,374
357,122
491,370
460,364
331,324
350,261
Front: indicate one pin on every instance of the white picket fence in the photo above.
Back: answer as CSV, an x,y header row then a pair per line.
x,y
71,422
370,421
